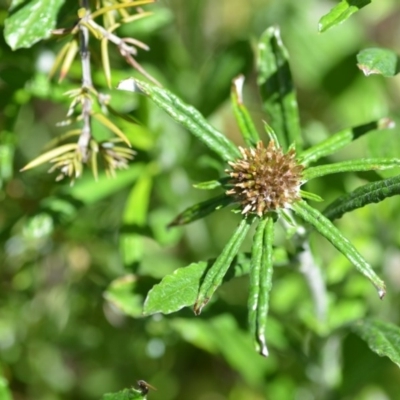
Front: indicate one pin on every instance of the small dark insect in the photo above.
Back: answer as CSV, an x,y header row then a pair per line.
x,y
144,386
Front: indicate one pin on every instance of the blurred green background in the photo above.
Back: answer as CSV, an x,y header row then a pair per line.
x,y
69,254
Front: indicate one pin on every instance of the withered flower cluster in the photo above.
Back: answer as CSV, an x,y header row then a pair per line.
x,y
265,179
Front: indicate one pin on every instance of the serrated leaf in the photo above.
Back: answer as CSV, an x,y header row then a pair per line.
x,y
341,139
186,115
201,210
330,232
340,13
215,275
30,22
180,289
378,61
126,394
370,193
363,164
277,89
382,338
243,119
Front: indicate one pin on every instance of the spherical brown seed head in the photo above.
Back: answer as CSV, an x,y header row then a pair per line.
x,y
265,179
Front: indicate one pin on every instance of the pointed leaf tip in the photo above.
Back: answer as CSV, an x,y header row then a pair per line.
x,y
129,85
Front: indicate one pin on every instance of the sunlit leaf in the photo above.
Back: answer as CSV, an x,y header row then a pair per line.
x,y
341,139
261,282
243,119
135,213
30,22
186,115
330,232
181,288
382,338
214,276
340,13
378,61
374,192
277,89
363,164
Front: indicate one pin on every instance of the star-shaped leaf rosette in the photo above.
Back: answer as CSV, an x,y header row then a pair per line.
x,y
263,183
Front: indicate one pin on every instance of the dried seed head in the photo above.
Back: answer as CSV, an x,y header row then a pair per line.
x,y
265,179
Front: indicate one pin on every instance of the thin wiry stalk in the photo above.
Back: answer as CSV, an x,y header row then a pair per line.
x,y
86,134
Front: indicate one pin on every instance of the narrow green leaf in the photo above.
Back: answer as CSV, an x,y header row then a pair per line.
x,y
378,61
126,394
30,22
201,210
243,119
341,139
277,89
135,213
215,275
186,115
5,393
254,277
330,232
261,282
209,185
310,196
340,13
363,164
370,193
180,289
90,191
382,338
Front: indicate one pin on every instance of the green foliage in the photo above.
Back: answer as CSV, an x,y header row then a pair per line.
x,y
378,61
340,13
30,22
98,278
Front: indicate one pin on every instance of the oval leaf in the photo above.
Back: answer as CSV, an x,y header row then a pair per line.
x,y
30,22
382,338
378,61
340,13
180,289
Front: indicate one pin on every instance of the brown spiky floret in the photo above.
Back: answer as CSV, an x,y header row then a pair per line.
x,y
265,179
